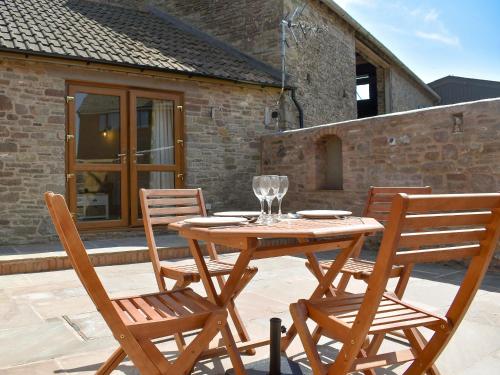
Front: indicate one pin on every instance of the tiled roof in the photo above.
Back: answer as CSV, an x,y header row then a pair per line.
x,y
101,33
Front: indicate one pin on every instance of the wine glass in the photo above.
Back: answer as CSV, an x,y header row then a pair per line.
x,y
260,188
281,193
274,186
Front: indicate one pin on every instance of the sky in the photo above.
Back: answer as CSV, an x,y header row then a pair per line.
x,y
436,38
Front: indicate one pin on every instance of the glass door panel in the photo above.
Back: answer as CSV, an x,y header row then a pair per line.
x,y
98,196
97,163
97,128
155,139
155,131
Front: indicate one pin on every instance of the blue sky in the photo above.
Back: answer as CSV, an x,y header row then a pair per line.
x,y
435,38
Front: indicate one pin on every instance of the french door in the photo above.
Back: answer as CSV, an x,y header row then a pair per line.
x,y
118,141
156,144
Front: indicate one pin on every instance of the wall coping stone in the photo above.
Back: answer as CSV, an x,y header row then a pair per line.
x,y
457,107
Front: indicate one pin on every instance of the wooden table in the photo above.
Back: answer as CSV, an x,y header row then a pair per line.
x,y
311,236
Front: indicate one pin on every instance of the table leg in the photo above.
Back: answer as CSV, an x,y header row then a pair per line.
x,y
233,311
324,284
315,266
228,290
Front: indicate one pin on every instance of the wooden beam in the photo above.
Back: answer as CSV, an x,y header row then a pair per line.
x,y
371,56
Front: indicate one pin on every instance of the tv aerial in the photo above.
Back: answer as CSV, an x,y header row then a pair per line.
x,y
297,29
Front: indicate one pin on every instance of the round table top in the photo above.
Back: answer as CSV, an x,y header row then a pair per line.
x,y
307,228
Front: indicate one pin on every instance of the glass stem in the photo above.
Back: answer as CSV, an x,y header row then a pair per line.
x,y
279,206
262,206
269,205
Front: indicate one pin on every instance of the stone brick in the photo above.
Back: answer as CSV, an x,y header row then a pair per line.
x,y
5,103
21,109
8,147
484,183
54,92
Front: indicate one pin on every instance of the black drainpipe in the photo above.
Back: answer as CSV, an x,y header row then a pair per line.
x,y
299,108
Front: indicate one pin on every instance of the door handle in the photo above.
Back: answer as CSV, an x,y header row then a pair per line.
x,y
180,176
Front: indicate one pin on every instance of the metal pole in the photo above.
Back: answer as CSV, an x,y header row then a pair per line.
x,y
274,347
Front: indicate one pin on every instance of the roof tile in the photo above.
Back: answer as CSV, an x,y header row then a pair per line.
x,y
84,30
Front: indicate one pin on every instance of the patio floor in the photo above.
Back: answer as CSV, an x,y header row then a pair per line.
x,y
48,325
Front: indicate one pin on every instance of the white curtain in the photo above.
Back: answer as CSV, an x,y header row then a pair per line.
x,y
162,143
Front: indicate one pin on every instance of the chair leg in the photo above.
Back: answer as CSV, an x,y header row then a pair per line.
x,y
180,342
418,342
299,316
317,334
187,359
182,283
375,343
179,338
403,281
112,362
428,355
344,280
364,354
156,356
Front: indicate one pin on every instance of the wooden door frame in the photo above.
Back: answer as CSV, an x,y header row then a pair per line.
x,y
74,168
178,168
125,167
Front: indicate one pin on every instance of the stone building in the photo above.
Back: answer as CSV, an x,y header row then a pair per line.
x,y
100,98
324,68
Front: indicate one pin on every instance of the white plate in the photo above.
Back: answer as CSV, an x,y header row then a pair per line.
x,y
238,214
323,214
212,221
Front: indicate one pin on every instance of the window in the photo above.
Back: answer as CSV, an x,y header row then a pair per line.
x,y
363,92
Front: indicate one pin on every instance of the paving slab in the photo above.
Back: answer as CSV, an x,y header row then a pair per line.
x,y
51,327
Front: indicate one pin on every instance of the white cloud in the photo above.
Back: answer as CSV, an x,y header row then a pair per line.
x,y
439,37
431,16
432,27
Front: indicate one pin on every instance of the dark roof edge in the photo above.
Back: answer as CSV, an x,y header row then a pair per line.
x,y
255,63
377,44
461,79
56,56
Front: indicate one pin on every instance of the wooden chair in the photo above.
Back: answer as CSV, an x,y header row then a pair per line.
x,y
165,206
378,205
135,321
422,228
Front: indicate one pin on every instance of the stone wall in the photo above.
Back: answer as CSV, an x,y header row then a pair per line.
x,y
323,66
32,132
221,153
406,95
416,148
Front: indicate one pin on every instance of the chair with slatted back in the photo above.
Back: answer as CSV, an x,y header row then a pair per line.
x,y
135,321
421,229
161,207
377,206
